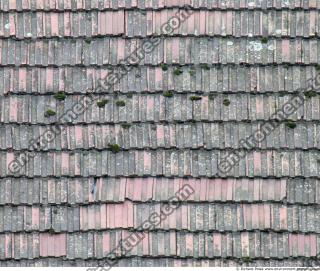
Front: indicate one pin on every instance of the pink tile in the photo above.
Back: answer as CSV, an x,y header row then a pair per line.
x,y
109,23
191,22
118,215
67,24
158,76
78,135
267,215
257,163
13,109
12,24
175,50
230,189
12,5
286,50
312,4
54,24
217,22
106,243
217,244
92,218
103,216
49,78
259,107
44,240
203,19
129,207
121,49
255,215
102,23
83,218
120,19
10,158
110,216
217,189
137,189
160,134
184,216
150,105
146,244
122,190
202,186
301,245
283,218
245,244
189,243
283,189
313,245
35,212
229,22
65,163
8,246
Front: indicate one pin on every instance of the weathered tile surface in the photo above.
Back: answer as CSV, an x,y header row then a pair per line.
x,y
90,181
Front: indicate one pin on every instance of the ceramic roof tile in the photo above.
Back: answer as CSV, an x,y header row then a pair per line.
x,y
78,196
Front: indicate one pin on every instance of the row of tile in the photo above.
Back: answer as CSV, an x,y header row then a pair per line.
x,y
64,191
168,163
306,135
158,108
183,50
189,217
162,262
141,79
20,5
136,23
179,244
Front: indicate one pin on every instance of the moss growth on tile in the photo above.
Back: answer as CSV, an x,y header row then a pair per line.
x,y
60,96
49,113
310,93
125,125
282,94
226,102
168,94
192,72
264,40
212,96
177,71
195,98
114,147
205,66
246,259
120,103
102,103
317,67
291,124
164,67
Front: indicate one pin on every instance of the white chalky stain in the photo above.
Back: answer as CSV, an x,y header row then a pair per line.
x,y
255,46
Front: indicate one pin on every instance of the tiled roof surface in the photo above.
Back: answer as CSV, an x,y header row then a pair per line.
x,y
77,198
